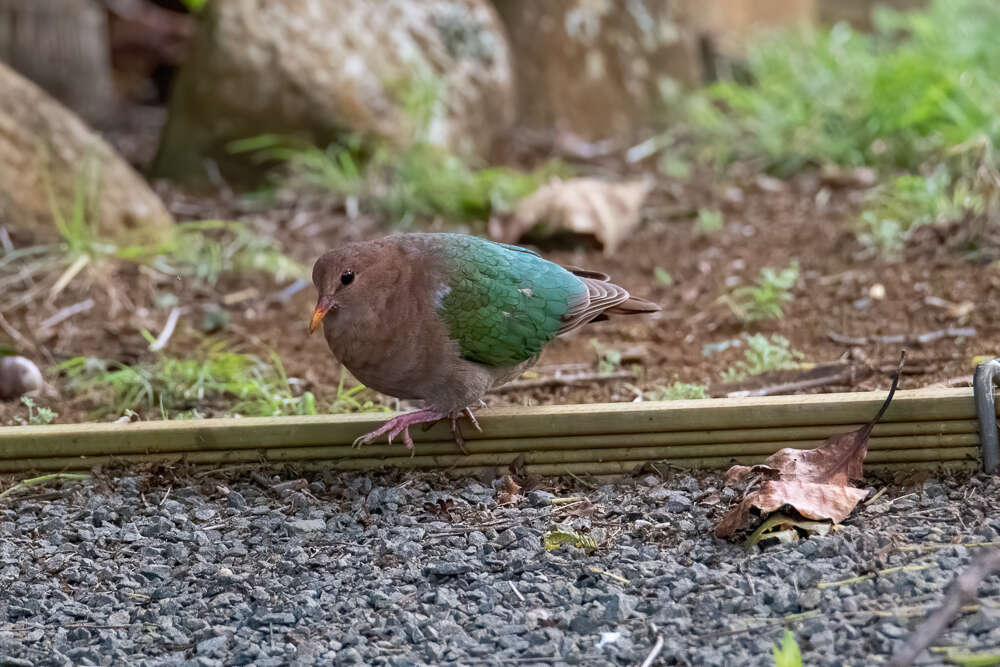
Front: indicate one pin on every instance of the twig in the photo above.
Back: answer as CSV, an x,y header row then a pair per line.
x,y
657,647
516,592
565,380
962,591
13,333
66,313
961,381
792,387
287,293
903,339
168,331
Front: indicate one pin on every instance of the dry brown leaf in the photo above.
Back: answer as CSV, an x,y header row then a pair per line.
x,y
607,211
816,482
508,491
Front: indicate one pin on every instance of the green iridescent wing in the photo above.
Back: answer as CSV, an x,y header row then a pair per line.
x,y
503,303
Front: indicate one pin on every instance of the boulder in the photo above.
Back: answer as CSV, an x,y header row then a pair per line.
x,y
61,45
596,69
47,154
725,27
318,69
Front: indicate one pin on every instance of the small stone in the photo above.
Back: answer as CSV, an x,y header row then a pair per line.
x,y
236,500
204,513
678,502
307,525
893,631
506,538
447,569
120,617
212,646
539,498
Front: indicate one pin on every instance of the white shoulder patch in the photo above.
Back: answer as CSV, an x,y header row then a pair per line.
x,y
440,294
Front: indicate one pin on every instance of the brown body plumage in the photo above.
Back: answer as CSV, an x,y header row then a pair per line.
x,y
380,303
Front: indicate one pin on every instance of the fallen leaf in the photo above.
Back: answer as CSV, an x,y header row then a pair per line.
x,y
556,538
441,509
607,211
583,510
507,491
784,529
815,482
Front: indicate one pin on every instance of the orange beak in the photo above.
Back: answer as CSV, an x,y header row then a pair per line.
x,y
323,306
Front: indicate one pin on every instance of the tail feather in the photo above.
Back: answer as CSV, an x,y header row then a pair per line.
x,y
634,306
603,298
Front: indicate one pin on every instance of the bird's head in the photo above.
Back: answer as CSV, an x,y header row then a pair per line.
x,y
340,277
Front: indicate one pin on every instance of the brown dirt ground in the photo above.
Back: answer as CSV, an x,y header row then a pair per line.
x,y
767,224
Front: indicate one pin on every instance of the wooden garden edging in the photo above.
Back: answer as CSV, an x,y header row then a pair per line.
x,y
922,428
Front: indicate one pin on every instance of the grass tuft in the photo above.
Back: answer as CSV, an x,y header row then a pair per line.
x,y
764,299
216,379
763,355
917,99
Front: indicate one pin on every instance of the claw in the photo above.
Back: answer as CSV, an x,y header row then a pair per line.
x,y
400,426
456,432
472,418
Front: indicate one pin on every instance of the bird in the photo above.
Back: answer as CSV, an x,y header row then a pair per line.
x,y
443,318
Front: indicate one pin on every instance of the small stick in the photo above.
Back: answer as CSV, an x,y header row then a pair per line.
x,y
13,333
66,313
657,647
516,592
168,331
565,380
792,387
903,339
961,592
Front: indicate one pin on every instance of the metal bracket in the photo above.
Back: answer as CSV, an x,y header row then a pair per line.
x,y
987,374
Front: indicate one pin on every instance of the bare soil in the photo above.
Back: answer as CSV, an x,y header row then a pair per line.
x,y
934,287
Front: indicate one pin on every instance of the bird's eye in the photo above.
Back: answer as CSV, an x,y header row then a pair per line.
x,y
347,277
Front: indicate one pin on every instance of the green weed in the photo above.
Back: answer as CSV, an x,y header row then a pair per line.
x,y
419,180
37,415
763,355
677,391
764,299
709,221
916,97
215,377
609,359
788,653
662,276
207,249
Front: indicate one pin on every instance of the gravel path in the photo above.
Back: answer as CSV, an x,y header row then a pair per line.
x,y
394,570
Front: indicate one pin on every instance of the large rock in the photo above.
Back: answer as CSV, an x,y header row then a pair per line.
x,y
61,45
596,69
319,68
725,27
46,153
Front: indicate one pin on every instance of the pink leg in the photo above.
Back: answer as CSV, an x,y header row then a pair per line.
x,y
401,425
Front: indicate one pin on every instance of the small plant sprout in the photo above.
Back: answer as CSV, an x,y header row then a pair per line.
x,y
215,379
788,653
663,276
678,391
609,359
764,299
763,355
421,180
37,415
709,221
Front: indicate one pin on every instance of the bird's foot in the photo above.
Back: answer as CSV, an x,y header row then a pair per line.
x,y
456,430
400,425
